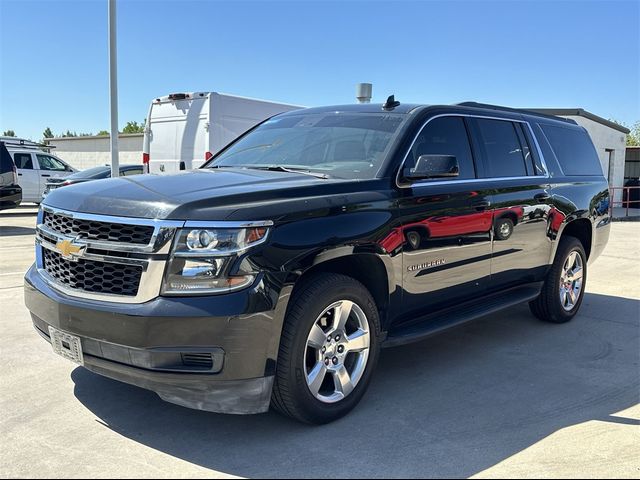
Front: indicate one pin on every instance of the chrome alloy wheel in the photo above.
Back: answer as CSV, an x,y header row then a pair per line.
x,y
571,281
505,229
337,351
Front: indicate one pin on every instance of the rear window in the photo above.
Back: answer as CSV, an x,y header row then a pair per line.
x,y
96,172
573,149
6,164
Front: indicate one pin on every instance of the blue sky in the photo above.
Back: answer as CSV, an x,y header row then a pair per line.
x,y
54,62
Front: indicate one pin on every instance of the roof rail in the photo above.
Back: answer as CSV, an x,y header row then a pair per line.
x,y
22,143
515,110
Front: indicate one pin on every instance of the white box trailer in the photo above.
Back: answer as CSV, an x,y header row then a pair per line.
x,y
184,130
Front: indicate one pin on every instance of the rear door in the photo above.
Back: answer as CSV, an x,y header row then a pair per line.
x,y
521,201
28,175
178,130
446,224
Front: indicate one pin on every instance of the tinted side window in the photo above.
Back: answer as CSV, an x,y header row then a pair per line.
x,y
6,164
502,148
446,136
49,163
537,163
574,150
131,171
23,160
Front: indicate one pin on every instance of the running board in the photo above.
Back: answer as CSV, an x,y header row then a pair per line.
x,y
444,319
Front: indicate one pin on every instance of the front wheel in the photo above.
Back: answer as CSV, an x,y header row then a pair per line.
x,y
328,351
564,287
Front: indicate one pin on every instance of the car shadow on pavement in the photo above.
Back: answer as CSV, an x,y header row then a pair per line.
x,y
450,406
16,231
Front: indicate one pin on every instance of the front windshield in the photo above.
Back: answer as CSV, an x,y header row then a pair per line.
x,y
340,145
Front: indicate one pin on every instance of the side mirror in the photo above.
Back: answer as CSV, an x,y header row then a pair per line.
x,y
433,166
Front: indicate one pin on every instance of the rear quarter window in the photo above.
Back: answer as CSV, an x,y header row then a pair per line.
x,y
573,149
6,163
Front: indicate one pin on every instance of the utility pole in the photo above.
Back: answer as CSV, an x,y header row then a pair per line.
x,y
113,89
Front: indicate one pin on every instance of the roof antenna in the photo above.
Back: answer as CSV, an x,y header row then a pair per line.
x,y
391,103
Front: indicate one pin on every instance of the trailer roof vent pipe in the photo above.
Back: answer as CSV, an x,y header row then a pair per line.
x,y
363,92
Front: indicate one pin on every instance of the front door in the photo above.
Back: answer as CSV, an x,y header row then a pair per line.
x,y
50,167
446,225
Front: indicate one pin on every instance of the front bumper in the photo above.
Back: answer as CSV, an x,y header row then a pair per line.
x,y
142,344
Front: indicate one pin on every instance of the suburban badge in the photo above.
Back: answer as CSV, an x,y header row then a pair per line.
x,y
423,266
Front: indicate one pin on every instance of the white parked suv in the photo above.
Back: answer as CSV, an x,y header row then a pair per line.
x,y
35,167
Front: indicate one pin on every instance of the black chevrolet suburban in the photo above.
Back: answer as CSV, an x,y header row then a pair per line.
x,y
273,275
10,191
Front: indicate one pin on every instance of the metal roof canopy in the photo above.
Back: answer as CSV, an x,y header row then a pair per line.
x,y
581,112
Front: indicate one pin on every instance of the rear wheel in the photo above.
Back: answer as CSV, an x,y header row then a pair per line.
x,y
563,289
328,351
504,228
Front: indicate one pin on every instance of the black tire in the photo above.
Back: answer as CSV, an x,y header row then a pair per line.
x,y
500,235
291,395
547,306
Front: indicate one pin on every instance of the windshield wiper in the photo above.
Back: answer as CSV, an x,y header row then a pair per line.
x,y
280,168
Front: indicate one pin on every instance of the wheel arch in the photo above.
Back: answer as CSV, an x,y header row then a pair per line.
x,y
510,215
580,228
373,270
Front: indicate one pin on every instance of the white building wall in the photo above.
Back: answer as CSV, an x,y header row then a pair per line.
x,y
606,138
87,152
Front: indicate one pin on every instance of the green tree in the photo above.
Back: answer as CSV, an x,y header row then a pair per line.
x,y
103,133
47,133
69,133
9,133
133,127
633,138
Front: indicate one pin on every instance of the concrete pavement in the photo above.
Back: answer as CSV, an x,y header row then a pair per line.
x,y
506,396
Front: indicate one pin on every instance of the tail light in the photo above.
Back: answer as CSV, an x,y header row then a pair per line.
x,y
208,155
15,174
145,162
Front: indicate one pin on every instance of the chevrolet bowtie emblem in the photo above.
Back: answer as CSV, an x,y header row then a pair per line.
x,y
70,250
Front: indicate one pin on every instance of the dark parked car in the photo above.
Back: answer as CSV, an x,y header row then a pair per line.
x,y
90,174
10,191
274,274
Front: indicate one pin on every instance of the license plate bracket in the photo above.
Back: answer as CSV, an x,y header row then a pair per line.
x,y
66,345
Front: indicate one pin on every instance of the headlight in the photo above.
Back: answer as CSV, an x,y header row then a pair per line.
x,y
203,258
219,241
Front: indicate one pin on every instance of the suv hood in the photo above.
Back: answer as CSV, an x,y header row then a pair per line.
x,y
206,194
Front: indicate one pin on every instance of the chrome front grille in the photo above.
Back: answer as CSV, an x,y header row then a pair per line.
x,y
93,276
97,230
100,257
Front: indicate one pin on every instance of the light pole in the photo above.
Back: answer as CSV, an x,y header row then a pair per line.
x,y
113,89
